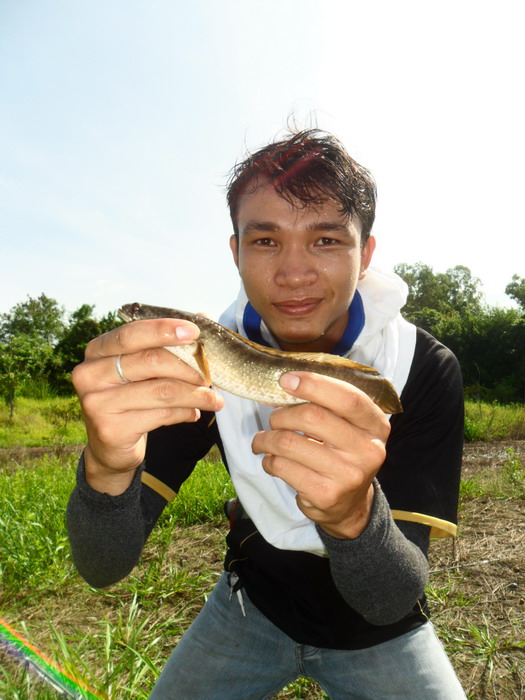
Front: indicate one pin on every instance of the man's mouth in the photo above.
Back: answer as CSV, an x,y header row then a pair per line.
x,y
297,307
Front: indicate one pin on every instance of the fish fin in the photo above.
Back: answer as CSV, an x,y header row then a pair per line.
x,y
202,360
313,356
388,400
335,360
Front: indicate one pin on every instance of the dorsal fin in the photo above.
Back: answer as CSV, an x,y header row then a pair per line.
x,y
311,356
333,360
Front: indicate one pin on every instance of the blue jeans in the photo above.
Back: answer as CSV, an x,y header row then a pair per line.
x,y
227,656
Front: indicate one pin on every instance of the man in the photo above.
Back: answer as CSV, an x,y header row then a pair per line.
x,y
326,563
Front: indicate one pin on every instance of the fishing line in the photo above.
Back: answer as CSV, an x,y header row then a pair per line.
x,y
67,686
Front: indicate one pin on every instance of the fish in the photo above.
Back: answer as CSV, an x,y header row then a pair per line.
x,y
252,371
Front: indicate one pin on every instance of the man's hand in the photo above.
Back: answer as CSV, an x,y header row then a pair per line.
x,y
160,390
333,463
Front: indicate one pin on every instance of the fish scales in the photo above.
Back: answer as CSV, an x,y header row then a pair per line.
x,y
252,371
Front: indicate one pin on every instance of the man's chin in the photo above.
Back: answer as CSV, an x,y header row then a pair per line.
x,y
300,342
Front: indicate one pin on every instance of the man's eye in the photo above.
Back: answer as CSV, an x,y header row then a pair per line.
x,y
264,242
325,241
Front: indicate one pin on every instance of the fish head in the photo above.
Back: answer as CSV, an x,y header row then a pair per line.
x,y
130,312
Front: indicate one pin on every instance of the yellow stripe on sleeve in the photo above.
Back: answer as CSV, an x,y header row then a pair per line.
x,y
438,527
158,486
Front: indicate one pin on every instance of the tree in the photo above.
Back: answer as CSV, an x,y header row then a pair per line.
x,y
27,335
41,317
516,290
463,290
36,343
425,290
489,346
488,342
69,351
110,321
453,291
20,359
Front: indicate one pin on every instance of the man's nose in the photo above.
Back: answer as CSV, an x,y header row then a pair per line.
x,y
295,269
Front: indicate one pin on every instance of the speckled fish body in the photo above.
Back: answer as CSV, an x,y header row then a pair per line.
x,y
252,371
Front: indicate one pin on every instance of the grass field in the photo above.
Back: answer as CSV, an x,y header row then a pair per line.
x,y
55,422
117,640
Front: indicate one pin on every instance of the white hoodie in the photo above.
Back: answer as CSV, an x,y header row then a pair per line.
x,y
386,342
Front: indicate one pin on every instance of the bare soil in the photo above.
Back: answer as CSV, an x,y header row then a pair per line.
x,y
13,457
480,613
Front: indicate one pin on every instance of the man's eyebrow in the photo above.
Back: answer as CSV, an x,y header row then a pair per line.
x,y
329,226
272,227
260,226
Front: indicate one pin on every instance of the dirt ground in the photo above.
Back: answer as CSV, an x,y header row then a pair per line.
x,y
479,584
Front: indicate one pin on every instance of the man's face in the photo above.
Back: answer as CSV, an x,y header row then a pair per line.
x,y
300,267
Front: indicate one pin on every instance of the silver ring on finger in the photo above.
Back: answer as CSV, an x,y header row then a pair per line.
x,y
120,373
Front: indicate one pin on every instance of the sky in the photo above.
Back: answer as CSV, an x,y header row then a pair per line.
x,y
120,120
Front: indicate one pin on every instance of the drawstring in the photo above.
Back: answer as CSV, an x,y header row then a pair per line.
x,y
235,587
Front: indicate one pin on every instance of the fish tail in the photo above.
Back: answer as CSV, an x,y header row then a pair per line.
x,y
387,398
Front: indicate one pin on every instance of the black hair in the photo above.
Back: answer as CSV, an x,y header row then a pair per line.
x,y
310,166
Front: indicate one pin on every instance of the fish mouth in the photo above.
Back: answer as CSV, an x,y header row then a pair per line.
x,y
129,312
297,307
124,315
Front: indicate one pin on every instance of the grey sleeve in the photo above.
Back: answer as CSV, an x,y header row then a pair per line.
x,y
107,533
382,573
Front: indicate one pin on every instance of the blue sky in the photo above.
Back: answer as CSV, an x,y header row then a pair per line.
x,y
119,121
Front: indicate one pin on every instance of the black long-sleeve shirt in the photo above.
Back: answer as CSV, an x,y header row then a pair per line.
x,y
368,589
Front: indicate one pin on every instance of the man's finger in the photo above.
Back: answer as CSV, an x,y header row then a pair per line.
x,y
140,335
123,431
315,422
342,398
134,367
153,394
289,446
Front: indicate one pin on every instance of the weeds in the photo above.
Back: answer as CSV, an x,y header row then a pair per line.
x,y
63,415
121,654
449,594
506,481
484,421
514,472
34,550
42,423
484,648
202,497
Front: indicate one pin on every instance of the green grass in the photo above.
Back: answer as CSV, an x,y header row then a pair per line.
x,y
41,423
57,421
33,539
484,421
34,551
506,482
118,639
122,653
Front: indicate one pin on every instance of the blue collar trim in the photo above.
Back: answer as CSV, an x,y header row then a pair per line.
x,y
356,320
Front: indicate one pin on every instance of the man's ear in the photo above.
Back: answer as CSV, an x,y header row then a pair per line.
x,y
234,247
366,256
